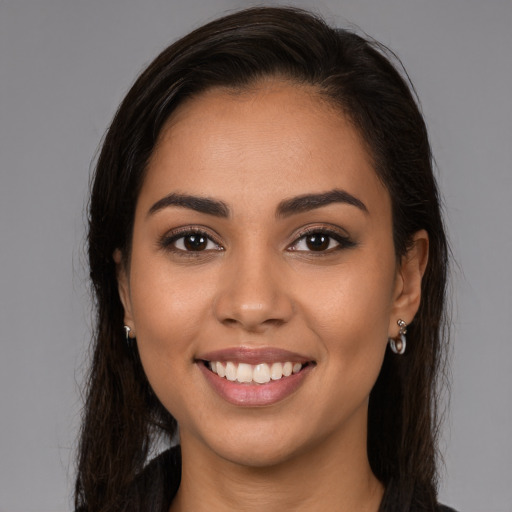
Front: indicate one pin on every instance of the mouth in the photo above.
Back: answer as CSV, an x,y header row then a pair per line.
x,y
255,374
254,377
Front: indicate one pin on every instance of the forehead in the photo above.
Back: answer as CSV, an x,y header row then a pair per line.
x,y
276,139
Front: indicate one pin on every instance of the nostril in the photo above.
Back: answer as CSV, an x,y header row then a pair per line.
x,y
254,305
274,321
253,326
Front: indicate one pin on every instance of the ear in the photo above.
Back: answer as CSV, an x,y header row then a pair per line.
x,y
407,296
123,287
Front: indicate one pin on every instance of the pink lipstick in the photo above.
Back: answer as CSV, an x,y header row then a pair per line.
x,y
254,377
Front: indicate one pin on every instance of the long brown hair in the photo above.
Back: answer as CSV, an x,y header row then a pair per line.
x,y
122,416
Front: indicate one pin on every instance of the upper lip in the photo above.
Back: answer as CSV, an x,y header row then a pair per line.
x,y
254,355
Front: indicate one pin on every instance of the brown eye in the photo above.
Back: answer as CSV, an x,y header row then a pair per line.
x,y
195,242
317,241
321,241
190,242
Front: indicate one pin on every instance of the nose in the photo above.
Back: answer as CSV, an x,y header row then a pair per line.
x,y
254,294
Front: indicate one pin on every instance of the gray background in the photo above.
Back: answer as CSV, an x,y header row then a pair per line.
x,y
64,67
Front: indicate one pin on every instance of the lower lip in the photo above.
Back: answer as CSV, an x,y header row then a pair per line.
x,y
254,395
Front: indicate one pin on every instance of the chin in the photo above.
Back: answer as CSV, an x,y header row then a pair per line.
x,y
257,456
260,450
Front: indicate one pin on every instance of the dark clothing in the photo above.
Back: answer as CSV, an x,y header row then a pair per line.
x,y
157,485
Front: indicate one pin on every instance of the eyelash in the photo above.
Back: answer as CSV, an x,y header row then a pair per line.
x,y
169,242
342,241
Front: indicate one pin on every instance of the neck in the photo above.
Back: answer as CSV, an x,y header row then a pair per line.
x,y
326,478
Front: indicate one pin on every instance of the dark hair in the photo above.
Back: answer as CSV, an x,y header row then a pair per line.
x,y
122,415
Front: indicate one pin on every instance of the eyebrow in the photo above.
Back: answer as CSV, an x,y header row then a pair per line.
x,y
309,202
199,204
294,205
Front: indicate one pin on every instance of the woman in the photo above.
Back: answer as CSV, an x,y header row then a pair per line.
x,y
269,264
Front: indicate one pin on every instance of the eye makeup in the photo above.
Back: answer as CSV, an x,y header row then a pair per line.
x,y
321,240
317,240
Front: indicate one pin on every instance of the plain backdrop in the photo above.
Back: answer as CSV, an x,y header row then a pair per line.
x,y
64,67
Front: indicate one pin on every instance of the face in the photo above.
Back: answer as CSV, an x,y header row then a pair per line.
x,y
263,282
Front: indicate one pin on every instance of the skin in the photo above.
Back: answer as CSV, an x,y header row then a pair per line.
x,y
258,284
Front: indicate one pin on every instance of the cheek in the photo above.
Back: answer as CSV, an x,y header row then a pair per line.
x,y
166,300
168,307
353,300
167,315
349,313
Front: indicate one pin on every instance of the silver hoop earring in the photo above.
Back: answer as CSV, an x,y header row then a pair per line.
x,y
127,331
398,345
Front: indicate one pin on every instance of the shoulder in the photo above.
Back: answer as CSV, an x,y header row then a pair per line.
x,y
444,508
156,486
166,466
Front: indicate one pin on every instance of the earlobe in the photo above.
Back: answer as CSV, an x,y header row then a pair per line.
x,y
123,287
409,277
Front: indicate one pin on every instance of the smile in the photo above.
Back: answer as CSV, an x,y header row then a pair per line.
x,y
261,373
250,377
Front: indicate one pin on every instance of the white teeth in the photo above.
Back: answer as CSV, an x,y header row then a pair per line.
x,y
276,372
244,373
260,374
230,371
